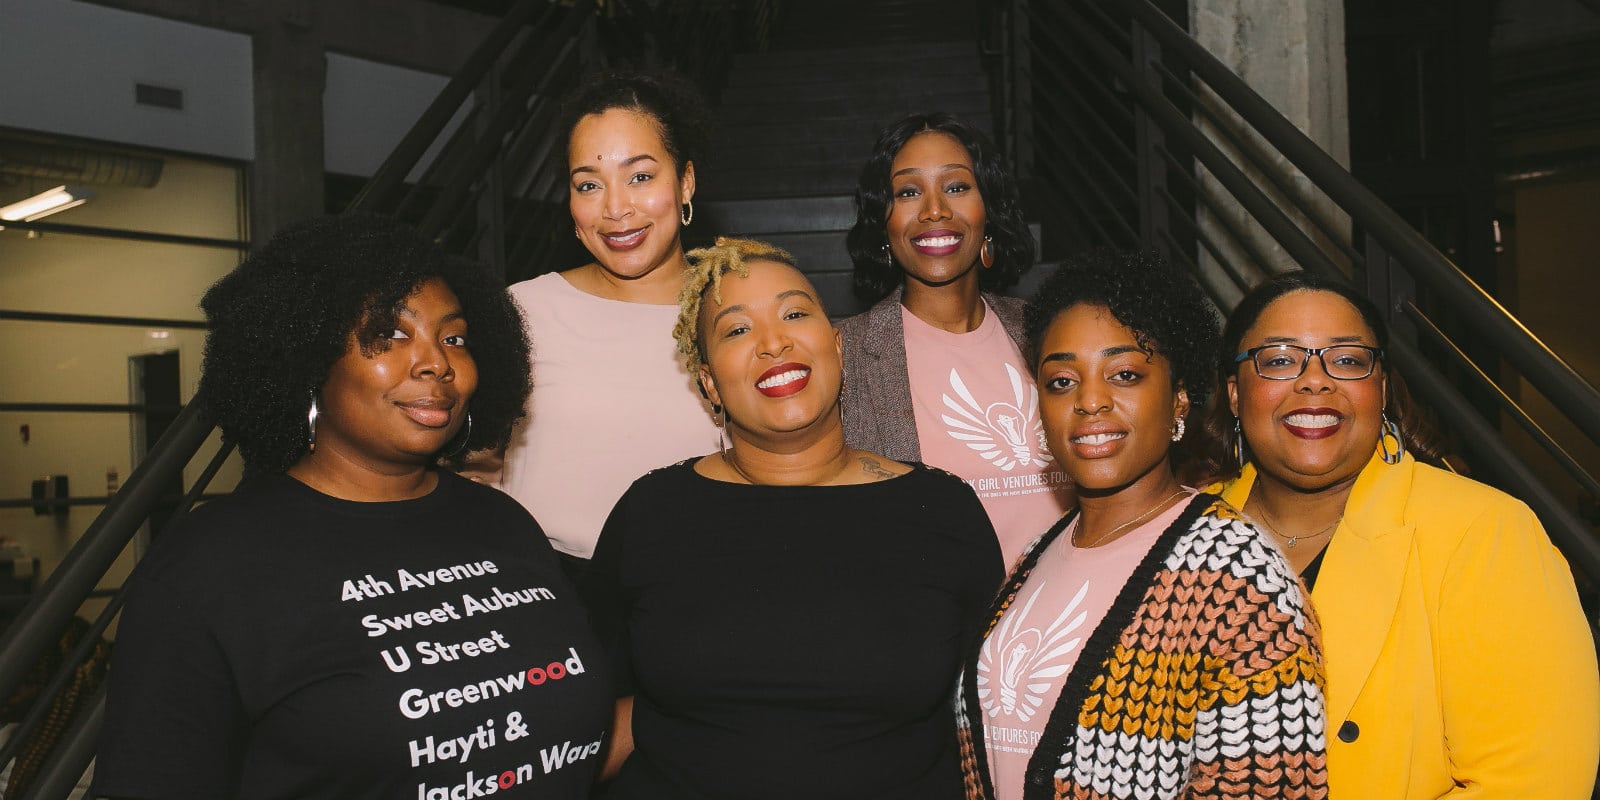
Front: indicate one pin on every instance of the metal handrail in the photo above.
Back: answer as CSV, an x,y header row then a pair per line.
x,y
514,138
1556,379
1176,102
378,193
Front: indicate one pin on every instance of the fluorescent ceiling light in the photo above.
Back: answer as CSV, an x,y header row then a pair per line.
x,y
46,203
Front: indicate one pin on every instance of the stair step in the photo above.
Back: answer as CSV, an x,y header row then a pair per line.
x,y
862,89
863,127
827,70
796,156
886,107
860,55
760,218
772,182
831,23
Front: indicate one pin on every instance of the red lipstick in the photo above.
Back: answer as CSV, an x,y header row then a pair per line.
x,y
783,380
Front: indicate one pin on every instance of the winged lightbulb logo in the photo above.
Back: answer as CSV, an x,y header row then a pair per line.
x,y
1007,433
1019,662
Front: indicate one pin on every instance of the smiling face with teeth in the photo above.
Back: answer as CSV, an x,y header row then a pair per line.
x,y
626,195
936,213
1108,406
1313,432
772,359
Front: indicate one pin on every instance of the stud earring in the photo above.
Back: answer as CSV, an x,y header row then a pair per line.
x,y
311,425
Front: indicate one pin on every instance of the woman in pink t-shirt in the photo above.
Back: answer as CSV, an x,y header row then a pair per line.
x,y
934,370
610,398
1152,643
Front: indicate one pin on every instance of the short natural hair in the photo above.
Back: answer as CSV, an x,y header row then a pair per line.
x,y
283,317
875,271
703,276
1160,302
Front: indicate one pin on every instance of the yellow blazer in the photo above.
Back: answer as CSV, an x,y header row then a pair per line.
x,y
1459,663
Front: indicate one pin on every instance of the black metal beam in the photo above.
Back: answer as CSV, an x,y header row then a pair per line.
x,y
128,235
100,319
1557,380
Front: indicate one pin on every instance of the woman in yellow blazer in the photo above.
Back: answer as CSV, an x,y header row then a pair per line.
x,y
1459,661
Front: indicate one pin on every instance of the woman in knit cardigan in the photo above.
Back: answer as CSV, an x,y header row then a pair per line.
x,y
1150,643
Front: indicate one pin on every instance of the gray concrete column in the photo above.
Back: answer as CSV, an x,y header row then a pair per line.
x,y
1292,53
286,180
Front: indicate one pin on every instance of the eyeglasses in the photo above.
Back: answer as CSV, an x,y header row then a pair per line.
x,y
1285,362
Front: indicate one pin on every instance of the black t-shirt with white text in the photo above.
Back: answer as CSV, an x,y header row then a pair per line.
x,y
282,643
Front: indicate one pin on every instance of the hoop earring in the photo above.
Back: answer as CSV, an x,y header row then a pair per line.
x,y
467,437
986,251
311,425
1388,430
1238,443
1177,433
686,214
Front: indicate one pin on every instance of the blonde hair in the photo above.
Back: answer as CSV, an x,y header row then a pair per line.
x,y
706,267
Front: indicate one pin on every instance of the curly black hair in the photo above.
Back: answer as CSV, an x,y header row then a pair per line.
x,y
875,271
284,316
1161,303
665,97
1421,435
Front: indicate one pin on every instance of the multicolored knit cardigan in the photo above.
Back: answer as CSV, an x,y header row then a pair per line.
x,y
1209,682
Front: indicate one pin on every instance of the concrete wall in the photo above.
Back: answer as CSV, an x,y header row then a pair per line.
x,y
1292,53
71,69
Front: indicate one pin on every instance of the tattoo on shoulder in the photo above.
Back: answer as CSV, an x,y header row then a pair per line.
x,y
871,466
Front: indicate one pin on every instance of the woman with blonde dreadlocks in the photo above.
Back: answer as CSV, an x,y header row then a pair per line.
x,y
788,614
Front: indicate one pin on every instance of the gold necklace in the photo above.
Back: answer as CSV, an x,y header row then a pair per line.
x,y
1159,507
1290,541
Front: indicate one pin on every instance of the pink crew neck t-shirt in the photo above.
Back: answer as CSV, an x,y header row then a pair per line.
x,y
977,413
1026,659
610,402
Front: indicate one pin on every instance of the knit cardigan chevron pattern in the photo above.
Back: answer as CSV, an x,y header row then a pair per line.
x,y
1209,682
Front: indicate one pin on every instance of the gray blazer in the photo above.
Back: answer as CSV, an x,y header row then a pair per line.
x,y
877,387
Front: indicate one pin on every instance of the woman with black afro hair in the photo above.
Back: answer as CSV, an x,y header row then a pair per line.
x,y
1151,643
934,369
272,642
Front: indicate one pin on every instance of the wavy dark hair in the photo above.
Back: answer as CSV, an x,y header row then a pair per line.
x,y
1161,303
1417,427
284,316
667,98
875,271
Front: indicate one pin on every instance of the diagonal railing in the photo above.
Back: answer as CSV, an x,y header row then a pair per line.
x,y
1156,143
495,190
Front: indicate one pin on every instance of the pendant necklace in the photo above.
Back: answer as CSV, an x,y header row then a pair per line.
x,y
1158,508
1290,541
